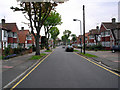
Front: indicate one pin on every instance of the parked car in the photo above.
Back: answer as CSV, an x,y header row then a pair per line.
x,y
74,45
115,48
79,46
69,48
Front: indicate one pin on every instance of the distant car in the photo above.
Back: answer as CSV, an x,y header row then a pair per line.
x,y
69,48
63,46
115,48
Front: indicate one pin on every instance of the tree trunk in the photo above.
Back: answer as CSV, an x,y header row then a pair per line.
x,y
54,43
37,45
47,45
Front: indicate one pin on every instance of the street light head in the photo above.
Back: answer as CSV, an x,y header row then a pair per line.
x,y
74,19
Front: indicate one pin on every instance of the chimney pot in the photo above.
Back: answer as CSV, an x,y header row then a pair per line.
x,y
97,27
113,20
3,21
22,28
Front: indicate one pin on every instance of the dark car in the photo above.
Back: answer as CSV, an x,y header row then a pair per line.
x,y
69,48
115,48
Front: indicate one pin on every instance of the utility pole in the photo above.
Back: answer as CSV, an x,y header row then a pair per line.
x,y
84,26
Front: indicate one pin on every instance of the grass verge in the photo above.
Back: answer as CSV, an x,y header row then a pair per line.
x,y
48,50
76,50
37,57
88,55
0,57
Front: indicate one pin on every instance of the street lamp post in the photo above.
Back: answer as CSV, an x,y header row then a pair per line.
x,y
80,32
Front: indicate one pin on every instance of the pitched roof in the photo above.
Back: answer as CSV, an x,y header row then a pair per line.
x,y
3,28
11,26
93,31
110,25
22,35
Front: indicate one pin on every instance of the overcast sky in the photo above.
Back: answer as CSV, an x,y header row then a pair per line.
x,y
97,11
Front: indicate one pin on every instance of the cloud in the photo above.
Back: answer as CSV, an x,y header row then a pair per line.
x,y
97,11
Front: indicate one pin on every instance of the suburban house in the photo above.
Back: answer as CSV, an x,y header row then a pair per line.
x,y
11,31
94,36
25,38
87,38
110,33
80,39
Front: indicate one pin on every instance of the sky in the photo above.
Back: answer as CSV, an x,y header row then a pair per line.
x,y
96,11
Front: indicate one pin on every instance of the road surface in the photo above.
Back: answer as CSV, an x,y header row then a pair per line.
x,y
67,70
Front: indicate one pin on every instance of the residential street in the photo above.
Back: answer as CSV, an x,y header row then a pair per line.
x,y
67,70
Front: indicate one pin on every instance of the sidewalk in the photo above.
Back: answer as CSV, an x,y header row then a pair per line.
x,y
13,67
107,58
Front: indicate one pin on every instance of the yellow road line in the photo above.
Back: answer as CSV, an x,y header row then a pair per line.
x,y
98,65
30,72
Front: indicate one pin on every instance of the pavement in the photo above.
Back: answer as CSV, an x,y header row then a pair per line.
x,y
68,70
111,60
12,68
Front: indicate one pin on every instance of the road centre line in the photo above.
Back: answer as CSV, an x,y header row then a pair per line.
x,y
30,72
98,65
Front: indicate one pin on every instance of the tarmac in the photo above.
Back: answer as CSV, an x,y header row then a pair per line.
x,y
107,58
14,68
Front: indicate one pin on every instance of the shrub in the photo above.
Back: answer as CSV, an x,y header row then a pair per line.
x,y
7,50
17,50
94,47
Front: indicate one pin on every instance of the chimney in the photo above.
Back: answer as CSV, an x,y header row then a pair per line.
x,y
113,20
22,28
3,21
97,27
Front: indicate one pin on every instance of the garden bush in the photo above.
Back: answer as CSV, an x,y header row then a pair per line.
x,y
94,47
17,50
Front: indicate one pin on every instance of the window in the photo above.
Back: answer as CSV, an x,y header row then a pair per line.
x,y
29,37
107,33
85,38
106,44
91,37
10,34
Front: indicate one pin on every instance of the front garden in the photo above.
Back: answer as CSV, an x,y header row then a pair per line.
x,y
10,52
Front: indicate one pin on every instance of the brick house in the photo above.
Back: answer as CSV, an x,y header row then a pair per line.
x,y
94,36
12,30
87,38
25,38
110,33
80,39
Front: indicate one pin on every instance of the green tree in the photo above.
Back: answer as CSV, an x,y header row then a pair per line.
x,y
53,19
64,39
66,34
54,33
74,37
36,13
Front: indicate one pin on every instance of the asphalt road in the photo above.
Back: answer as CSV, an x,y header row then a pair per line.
x,y
68,70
